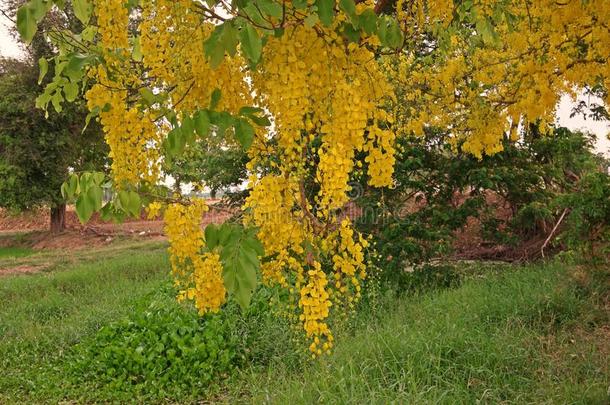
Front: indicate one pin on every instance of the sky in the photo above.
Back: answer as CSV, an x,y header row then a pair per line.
x,y
10,48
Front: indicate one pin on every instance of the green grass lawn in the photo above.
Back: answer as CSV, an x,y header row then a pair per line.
x,y
11,252
512,335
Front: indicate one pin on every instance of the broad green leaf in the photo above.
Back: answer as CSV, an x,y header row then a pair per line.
x,y
211,236
254,244
98,178
39,8
56,100
82,10
71,91
202,122
215,99
148,96
26,23
188,129
348,7
136,52
311,20
326,11
247,111
222,120
389,32
229,38
94,194
368,21
244,132
107,212
351,33
135,204
260,121
175,142
65,194
123,200
83,208
43,65
251,44
271,8
299,4
75,67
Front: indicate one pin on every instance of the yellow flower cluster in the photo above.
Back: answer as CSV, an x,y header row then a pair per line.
x,y
509,71
130,134
315,304
271,207
324,98
198,276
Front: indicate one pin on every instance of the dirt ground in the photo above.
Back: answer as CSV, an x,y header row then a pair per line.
x,y
30,230
95,233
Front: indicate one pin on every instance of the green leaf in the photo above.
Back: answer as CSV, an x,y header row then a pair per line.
x,y
43,65
71,91
148,96
202,122
188,129
56,100
254,244
39,8
389,32
229,38
311,20
214,49
75,67
260,121
83,208
251,44
368,21
175,142
98,178
123,200
348,7
299,4
107,212
136,52
26,23
326,11
244,132
215,99
271,8
211,236
135,204
94,195
247,111
82,10
351,33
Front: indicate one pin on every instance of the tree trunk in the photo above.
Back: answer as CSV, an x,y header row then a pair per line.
x,y
58,218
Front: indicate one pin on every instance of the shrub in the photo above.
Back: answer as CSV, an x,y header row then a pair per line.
x,y
165,347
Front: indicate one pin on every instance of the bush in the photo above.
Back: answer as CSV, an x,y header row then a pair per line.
x,y
514,198
163,348
167,349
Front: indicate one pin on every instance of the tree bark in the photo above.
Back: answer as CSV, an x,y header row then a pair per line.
x,y
58,218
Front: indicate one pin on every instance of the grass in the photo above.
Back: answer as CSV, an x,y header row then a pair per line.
x,y
515,337
45,314
510,335
13,252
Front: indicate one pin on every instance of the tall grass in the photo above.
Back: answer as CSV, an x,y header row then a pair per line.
x,y
515,335
507,339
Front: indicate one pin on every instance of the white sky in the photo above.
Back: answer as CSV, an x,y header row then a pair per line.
x,y
10,48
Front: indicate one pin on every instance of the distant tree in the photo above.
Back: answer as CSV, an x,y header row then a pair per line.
x,y
36,153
